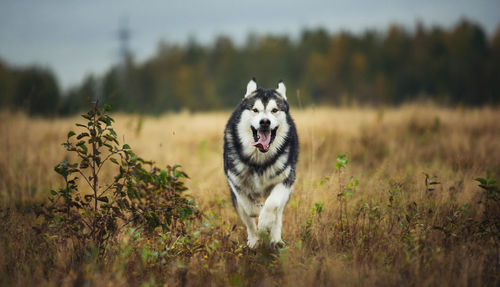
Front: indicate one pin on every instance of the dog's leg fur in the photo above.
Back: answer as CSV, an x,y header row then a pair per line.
x,y
253,237
245,209
271,214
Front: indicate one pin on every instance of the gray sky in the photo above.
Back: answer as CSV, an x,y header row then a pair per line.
x,y
75,38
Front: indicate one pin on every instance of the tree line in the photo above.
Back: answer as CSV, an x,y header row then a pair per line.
x,y
458,65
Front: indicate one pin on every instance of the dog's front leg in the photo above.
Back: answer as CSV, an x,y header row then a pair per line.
x,y
246,209
270,216
249,222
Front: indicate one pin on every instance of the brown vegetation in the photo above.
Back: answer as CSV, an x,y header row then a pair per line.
x,y
417,217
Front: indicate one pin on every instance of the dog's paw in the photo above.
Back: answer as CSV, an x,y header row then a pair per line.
x,y
253,242
278,244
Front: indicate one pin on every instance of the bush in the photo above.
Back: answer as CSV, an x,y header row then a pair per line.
x,y
141,194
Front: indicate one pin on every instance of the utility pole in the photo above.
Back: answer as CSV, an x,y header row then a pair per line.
x,y
121,91
124,38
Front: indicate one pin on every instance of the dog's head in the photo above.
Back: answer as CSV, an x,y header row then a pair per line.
x,y
264,113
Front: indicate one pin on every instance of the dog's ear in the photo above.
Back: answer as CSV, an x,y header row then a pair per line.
x,y
251,87
281,89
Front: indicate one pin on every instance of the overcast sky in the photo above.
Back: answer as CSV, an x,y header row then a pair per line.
x,y
75,38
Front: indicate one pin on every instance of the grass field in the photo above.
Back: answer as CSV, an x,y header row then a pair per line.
x,y
393,228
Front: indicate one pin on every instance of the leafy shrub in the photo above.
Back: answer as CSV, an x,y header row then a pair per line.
x,y
141,194
490,223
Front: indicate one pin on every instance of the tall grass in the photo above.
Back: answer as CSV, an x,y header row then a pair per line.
x,y
392,228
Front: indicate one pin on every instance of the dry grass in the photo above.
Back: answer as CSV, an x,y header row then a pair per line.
x,y
381,243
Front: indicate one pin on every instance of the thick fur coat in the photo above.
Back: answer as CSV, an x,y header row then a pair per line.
x,y
260,155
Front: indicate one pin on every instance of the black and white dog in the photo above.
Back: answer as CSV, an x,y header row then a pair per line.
x,y
261,149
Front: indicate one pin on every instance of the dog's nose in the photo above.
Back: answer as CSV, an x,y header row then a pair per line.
x,y
265,123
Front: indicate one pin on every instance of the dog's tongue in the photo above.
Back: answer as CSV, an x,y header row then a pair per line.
x,y
264,140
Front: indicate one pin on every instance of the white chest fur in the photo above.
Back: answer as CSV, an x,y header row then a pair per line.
x,y
256,184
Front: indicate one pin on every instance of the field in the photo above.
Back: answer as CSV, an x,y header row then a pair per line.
x,y
409,211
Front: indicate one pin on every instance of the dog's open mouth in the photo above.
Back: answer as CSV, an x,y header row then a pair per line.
x,y
263,138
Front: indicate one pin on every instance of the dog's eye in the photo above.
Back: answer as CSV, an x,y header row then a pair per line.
x,y
255,110
274,111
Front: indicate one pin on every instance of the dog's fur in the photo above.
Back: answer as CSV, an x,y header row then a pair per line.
x,y
261,172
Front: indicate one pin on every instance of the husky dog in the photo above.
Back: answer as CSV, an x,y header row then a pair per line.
x,y
260,153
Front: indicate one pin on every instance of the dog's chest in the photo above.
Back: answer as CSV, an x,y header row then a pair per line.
x,y
259,184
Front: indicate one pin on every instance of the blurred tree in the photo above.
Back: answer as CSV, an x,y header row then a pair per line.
x,y
455,65
37,92
7,85
78,98
373,68
493,73
468,52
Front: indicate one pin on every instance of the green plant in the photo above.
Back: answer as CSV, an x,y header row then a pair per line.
x,y
346,191
315,211
140,194
489,187
490,224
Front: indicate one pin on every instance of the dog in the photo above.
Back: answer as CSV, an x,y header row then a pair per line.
x,y
261,149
